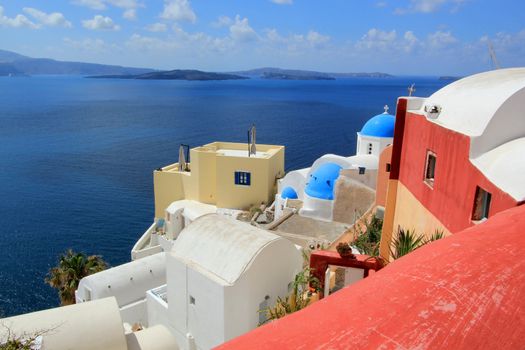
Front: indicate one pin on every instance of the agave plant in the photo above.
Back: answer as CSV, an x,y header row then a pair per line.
x,y
438,234
405,242
72,267
298,299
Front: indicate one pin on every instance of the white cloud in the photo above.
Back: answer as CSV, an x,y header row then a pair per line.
x,y
241,31
20,21
157,27
282,2
89,45
100,23
92,4
410,41
124,4
316,38
178,10
55,19
103,4
429,6
439,40
130,14
222,21
377,39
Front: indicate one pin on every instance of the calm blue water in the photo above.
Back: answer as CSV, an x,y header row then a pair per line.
x,y
76,155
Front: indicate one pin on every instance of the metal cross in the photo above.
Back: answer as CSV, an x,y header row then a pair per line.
x,y
411,89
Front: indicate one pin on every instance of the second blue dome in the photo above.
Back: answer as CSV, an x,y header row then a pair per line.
x,y
381,125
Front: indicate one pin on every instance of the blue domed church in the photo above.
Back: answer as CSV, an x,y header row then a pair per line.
x,y
315,188
376,134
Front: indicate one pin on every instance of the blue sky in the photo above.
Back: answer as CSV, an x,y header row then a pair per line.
x,y
410,37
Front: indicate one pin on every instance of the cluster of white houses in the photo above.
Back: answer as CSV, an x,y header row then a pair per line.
x,y
199,277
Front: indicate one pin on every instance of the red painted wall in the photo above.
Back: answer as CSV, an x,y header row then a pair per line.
x,y
452,198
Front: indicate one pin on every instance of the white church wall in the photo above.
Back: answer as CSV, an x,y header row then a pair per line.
x,y
295,179
375,144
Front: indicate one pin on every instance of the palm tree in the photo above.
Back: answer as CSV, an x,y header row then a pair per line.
x,y
72,267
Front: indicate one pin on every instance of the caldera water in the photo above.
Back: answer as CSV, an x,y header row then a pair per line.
x,y
77,154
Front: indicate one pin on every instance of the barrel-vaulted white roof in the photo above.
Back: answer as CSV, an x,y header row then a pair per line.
x,y
504,166
223,246
469,104
489,108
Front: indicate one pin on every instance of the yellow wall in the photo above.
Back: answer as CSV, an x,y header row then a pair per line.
x,y
212,178
204,173
168,187
405,211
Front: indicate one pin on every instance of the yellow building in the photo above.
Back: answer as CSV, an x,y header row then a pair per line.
x,y
223,174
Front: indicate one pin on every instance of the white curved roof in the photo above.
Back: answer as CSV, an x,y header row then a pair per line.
x,y
469,104
222,246
504,166
192,209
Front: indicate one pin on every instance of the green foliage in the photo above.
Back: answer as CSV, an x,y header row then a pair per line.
x,y
438,234
407,241
298,299
72,267
25,341
367,240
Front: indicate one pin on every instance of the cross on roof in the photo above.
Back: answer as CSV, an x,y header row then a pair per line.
x,y
386,109
411,89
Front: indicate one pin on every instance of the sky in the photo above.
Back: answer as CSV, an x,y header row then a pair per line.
x,y
402,37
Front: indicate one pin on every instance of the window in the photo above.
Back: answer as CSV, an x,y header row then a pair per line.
x,y
388,167
192,300
430,168
362,170
370,147
481,204
242,178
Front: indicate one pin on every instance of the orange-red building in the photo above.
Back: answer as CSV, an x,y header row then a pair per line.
x,y
458,156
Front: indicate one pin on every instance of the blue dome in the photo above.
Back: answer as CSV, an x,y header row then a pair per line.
x,y
381,125
322,181
289,192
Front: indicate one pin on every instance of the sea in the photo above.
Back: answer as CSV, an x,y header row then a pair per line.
x,y
77,154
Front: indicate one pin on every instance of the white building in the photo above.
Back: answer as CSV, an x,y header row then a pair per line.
x,y
220,273
315,186
208,289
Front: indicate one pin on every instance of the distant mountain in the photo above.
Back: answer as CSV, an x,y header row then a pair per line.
x,y
177,74
295,74
12,63
284,76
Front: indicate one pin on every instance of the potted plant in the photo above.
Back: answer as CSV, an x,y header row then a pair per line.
x,y
344,250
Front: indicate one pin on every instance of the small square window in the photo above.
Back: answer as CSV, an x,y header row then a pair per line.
x,y
243,178
430,168
362,170
481,204
388,167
